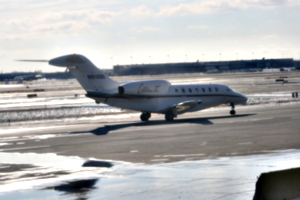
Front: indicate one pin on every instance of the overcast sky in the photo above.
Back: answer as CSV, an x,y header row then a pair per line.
x,y
111,32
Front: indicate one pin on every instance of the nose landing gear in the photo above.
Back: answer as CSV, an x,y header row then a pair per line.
x,y
232,111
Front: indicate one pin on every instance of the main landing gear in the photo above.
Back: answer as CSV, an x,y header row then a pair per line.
x,y
169,116
232,111
145,116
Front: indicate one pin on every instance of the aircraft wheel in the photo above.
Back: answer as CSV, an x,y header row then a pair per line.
x,y
145,116
232,112
169,117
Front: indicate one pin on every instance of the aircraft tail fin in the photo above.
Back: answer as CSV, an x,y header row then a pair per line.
x,y
88,75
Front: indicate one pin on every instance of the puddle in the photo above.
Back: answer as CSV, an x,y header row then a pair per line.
x,y
77,186
49,176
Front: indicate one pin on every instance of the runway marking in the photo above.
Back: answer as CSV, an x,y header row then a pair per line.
x,y
24,129
8,138
247,120
245,143
150,127
18,130
24,148
203,144
37,138
260,119
159,160
183,155
4,144
20,143
41,137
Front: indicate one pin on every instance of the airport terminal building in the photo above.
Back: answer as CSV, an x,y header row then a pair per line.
x,y
179,68
206,67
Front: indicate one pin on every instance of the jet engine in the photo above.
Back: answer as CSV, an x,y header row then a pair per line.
x,y
151,87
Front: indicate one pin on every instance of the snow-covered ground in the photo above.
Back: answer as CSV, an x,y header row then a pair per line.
x,y
65,100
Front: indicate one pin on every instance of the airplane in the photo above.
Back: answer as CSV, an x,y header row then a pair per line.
x,y
147,96
28,77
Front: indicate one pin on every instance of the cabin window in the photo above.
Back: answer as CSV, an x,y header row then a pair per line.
x,y
176,90
209,89
196,90
183,90
203,89
216,89
190,90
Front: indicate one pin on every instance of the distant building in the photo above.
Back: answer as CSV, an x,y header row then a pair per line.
x,y
207,67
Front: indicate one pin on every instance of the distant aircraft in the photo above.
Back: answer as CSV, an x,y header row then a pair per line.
x,y
147,96
28,77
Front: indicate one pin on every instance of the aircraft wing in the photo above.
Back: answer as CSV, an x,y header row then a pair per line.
x,y
179,108
186,106
182,107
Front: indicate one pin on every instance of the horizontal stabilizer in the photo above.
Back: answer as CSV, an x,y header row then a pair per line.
x,y
24,60
88,75
69,61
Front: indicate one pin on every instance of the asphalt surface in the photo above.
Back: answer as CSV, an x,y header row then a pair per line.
x,y
222,149
192,136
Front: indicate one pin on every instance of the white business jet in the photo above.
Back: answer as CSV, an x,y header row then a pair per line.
x,y
147,96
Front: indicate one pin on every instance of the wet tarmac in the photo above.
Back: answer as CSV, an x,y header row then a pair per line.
x,y
221,178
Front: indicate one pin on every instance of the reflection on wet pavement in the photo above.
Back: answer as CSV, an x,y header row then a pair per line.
x,y
97,163
77,186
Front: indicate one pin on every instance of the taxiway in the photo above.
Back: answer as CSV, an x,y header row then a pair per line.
x,y
194,136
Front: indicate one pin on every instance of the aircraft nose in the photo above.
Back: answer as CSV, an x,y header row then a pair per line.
x,y
244,98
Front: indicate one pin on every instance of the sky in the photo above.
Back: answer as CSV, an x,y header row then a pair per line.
x,y
111,32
